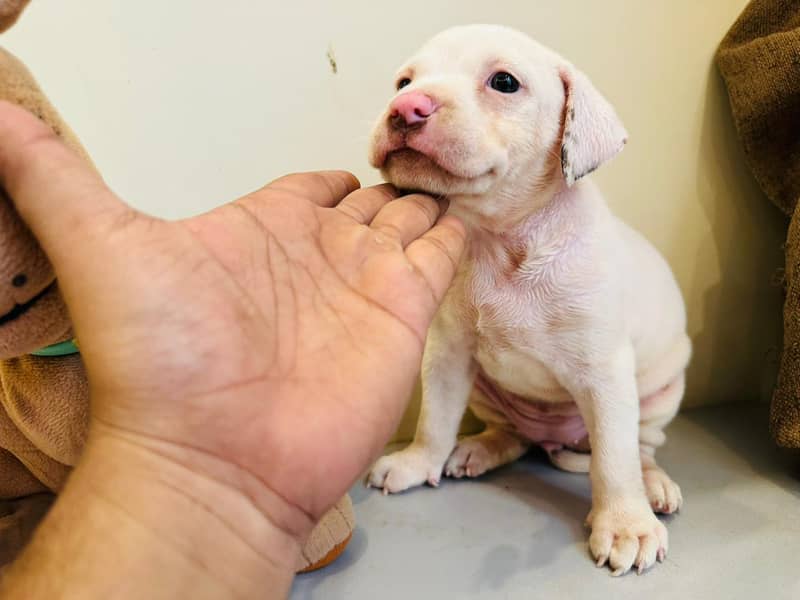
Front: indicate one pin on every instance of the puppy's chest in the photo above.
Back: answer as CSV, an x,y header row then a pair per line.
x,y
513,325
505,302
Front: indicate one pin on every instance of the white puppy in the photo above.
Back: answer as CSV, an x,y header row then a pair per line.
x,y
564,327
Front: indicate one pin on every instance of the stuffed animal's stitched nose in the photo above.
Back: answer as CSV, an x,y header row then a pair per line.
x,y
411,110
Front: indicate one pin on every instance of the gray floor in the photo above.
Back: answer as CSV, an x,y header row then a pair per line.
x,y
517,533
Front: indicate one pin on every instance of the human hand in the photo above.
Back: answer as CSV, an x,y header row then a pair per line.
x,y
268,346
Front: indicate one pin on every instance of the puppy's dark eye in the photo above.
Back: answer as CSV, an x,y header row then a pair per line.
x,y
403,83
19,280
504,82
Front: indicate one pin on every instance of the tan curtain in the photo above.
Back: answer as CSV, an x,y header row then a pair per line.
x,y
759,59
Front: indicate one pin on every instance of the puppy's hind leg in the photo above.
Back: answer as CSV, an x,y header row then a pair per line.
x,y
656,413
569,460
492,448
498,445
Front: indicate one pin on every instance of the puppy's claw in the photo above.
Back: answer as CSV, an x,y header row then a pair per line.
x,y
602,561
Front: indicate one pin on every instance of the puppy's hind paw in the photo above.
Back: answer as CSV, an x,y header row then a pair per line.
x,y
664,494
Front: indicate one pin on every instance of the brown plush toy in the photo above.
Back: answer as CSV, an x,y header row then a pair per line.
x,y
44,393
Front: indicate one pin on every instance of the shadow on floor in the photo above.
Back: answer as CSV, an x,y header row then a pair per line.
x,y
743,429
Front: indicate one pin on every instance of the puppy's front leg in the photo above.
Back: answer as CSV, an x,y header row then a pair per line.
x,y
448,373
625,532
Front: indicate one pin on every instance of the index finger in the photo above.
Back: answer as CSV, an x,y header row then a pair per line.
x,y
437,254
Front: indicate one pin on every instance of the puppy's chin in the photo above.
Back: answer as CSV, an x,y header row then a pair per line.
x,y
408,169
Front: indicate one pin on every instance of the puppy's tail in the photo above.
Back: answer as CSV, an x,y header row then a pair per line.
x,y
567,460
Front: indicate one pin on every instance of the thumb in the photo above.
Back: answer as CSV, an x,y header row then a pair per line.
x,y
60,197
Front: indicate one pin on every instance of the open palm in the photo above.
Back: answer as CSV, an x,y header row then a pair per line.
x,y
276,337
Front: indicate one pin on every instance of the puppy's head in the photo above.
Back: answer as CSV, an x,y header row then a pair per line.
x,y
484,108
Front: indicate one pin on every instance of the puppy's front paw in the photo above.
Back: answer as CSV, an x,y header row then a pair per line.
x,y
627,534
405,469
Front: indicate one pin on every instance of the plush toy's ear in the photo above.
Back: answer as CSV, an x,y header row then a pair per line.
x,y
10,10
593,134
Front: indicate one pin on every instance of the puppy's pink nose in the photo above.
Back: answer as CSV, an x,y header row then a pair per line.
x,y
411,109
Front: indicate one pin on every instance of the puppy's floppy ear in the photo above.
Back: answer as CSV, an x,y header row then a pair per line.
x,y
593,134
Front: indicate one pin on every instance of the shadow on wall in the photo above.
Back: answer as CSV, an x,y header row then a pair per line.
x,y
746,249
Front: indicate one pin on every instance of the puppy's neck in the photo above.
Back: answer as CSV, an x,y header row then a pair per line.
x,y
511,210
526,248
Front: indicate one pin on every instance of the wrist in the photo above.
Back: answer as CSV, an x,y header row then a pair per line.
x,y
209,512
163,524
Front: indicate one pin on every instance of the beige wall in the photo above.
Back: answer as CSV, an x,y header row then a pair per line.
x,y
185,104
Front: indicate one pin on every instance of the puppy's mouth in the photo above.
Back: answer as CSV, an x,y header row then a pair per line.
x,y
416,159
21,309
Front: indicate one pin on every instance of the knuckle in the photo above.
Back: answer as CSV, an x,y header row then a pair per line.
x,y
438,244
426,206
44,143
290,179
385,191
391,230
354,212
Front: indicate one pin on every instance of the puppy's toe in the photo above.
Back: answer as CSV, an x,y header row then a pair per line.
x,y
467,460
663,493
648,552
623,552
600,543
674,498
